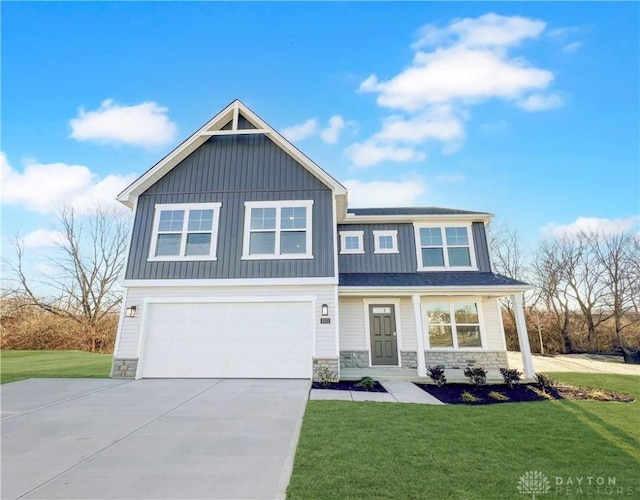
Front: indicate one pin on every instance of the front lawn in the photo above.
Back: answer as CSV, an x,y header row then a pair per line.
x,y
384,450
19,365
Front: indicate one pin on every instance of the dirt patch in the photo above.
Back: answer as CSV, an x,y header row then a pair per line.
x,y
577,393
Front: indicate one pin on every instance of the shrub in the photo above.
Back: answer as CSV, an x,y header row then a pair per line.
x,y
366,383
26,327
467,397
436,373
477,375
324,375
511,376
545,382
498,396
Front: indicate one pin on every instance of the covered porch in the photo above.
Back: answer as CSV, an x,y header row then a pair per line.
x,y
395,333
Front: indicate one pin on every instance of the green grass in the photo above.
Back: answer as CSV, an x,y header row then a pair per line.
x,y
19,365
382,450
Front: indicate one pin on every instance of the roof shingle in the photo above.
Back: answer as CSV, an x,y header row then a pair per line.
x,y
411,211
437,278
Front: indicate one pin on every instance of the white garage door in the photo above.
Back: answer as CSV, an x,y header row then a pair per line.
x,y
228,340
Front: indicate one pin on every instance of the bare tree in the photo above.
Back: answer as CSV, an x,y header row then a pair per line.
x,y
509,258
548,269
584,275
618,257
85,270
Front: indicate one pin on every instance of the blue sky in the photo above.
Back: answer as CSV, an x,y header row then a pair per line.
x,y
527,110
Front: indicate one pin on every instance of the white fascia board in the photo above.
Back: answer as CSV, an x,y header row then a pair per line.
x,y
435,219
331,280
151,176
432,290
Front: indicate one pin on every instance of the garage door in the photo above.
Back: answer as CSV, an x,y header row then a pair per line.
x,y
228,340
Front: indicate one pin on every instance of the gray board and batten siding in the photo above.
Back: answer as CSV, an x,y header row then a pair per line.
x,y
231,170
405,261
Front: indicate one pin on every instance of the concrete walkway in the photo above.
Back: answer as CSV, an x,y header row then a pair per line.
x,y
398,391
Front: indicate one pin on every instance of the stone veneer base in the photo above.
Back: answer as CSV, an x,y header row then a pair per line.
x,y
124,368
493,360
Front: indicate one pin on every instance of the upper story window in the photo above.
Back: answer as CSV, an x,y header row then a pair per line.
x,y
447,247
351,241
277,230
453,325
185,231
385,241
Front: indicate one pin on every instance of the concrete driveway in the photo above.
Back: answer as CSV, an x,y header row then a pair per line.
x,y
151,439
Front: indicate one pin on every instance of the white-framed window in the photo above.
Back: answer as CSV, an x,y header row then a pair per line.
x,y
351,241
453,325
185,231
277,230
448,247
385,241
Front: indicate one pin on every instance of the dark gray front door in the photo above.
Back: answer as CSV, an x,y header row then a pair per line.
x,y
384,343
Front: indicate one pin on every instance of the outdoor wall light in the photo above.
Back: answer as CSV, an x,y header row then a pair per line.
x,y
130,312
325,310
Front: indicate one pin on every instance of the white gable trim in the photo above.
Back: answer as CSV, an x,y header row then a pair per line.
x,y
212,127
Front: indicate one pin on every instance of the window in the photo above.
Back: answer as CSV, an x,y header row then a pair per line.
x,y
277,230
351,242
453,325
385,241
185,232
444,247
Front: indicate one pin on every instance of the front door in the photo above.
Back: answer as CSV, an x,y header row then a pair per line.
x,y
384,342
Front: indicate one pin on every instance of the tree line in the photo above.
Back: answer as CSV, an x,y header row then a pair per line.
x,y
586,294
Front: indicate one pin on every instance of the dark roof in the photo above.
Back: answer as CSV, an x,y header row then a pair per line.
x,y
437,278
412,211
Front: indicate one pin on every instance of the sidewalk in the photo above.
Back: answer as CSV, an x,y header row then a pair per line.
x,y
398,391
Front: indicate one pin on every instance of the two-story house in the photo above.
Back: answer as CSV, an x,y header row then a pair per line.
x,y
246,262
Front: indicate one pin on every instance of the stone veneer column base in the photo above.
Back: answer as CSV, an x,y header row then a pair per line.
x,y
408,359
493,360
331,363
354,359
124,368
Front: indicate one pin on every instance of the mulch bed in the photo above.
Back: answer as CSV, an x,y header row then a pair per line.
x,y
345,385
452,393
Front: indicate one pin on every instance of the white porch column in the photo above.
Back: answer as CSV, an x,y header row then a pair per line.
x,y
523,337
422,368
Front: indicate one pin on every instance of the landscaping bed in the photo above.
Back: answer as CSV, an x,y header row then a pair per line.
x,y
467,394
349,385
454,394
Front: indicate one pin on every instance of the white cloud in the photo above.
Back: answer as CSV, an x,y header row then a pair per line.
x,y
591,224
540,102
457,73
42,238
301,130
370,152
453,69
44,188
385,193
490,30
437,122
145,124
571,47
331,134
